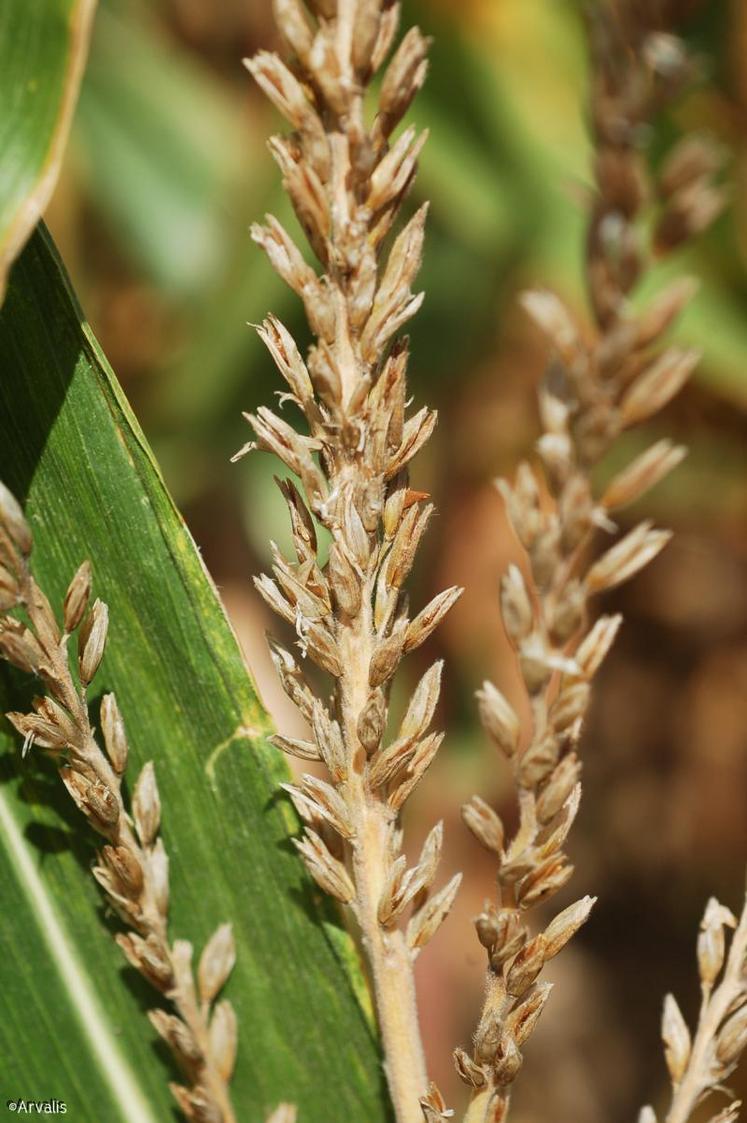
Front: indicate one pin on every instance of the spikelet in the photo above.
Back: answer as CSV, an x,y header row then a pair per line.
x,y
346,179
699,1065
132,866
594,389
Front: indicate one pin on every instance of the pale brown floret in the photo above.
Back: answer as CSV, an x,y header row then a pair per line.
x,y
700,1065
132,866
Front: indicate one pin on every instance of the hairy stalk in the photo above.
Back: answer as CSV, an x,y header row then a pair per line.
x,y
594,390
347,180
699,1066
133,867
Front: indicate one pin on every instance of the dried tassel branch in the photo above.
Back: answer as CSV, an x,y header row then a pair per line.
x,y
347,181
132,867
699,1066
593,391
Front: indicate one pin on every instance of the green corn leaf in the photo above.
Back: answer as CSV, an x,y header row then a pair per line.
x,y
73,1025
43,46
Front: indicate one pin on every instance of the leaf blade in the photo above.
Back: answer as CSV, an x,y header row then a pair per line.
x,y
43,49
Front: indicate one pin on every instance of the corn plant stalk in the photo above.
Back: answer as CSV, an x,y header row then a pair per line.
x,y
594,390
133,867
347,181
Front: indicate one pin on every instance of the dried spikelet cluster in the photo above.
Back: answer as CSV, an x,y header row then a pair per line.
x,y
347,181
594,390
700,1065
133,867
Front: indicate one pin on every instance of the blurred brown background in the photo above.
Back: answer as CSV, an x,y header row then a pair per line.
x,y
167,168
